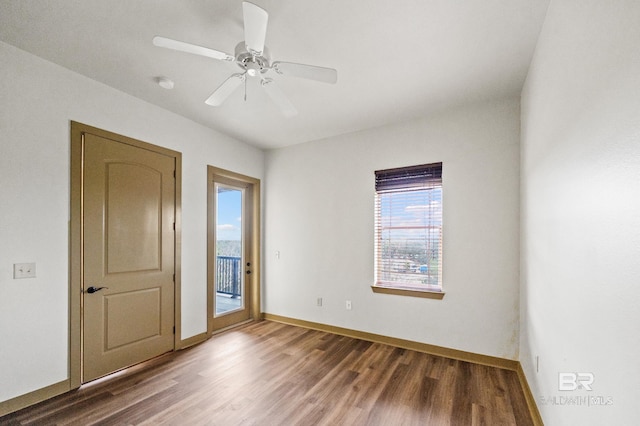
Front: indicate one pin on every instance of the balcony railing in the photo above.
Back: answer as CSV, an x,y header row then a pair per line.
x,y
228,275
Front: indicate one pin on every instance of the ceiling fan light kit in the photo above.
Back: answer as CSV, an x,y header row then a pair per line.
x,y
252,56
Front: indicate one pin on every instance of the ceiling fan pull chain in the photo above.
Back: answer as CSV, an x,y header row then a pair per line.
x,y
245,90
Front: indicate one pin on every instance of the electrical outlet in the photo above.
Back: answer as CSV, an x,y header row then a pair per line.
x,y
348,305
24,270
319,301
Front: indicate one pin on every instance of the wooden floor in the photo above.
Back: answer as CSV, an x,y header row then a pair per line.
x,y
268,373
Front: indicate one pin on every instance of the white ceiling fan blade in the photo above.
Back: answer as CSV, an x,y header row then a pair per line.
x,y
225,89
311,72
279,98
255,27
191,48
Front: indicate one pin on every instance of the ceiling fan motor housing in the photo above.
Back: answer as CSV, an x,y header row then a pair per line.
x,y
252,64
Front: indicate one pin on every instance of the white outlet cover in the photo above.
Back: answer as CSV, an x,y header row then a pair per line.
x,y
24,270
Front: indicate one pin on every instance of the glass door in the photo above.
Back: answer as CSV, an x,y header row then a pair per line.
x,y
229,276
233,223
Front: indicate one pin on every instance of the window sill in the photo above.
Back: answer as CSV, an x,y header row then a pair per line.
x,y
428,294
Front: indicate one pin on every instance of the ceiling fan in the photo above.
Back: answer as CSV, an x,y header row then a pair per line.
x,y
252,56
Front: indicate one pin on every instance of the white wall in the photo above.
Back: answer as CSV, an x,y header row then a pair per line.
x,y
37,101
319,216
581,211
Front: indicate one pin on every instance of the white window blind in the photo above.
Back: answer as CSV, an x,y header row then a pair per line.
x,y
408,227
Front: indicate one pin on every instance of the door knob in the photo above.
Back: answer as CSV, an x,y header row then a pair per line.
x,y
93,289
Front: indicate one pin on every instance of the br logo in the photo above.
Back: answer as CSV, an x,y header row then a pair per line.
x,y
575,381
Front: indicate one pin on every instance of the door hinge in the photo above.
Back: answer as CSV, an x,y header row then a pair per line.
x,y
174,226
174,278
174,329
174,174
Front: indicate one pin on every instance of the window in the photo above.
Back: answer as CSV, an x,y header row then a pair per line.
x,y
408,229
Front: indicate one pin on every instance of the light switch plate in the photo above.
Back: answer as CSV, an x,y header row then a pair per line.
x,y
24,270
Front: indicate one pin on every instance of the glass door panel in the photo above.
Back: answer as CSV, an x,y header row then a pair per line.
x,y
229,269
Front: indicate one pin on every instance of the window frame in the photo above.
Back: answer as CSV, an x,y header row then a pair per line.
x,y
406,181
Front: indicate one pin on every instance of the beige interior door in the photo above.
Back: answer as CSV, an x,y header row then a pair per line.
x,y
129,262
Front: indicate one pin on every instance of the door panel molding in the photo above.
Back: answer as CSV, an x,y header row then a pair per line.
x,y
76,225
215,176
148,182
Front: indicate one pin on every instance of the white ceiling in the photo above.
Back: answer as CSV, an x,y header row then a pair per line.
x,y
396,59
